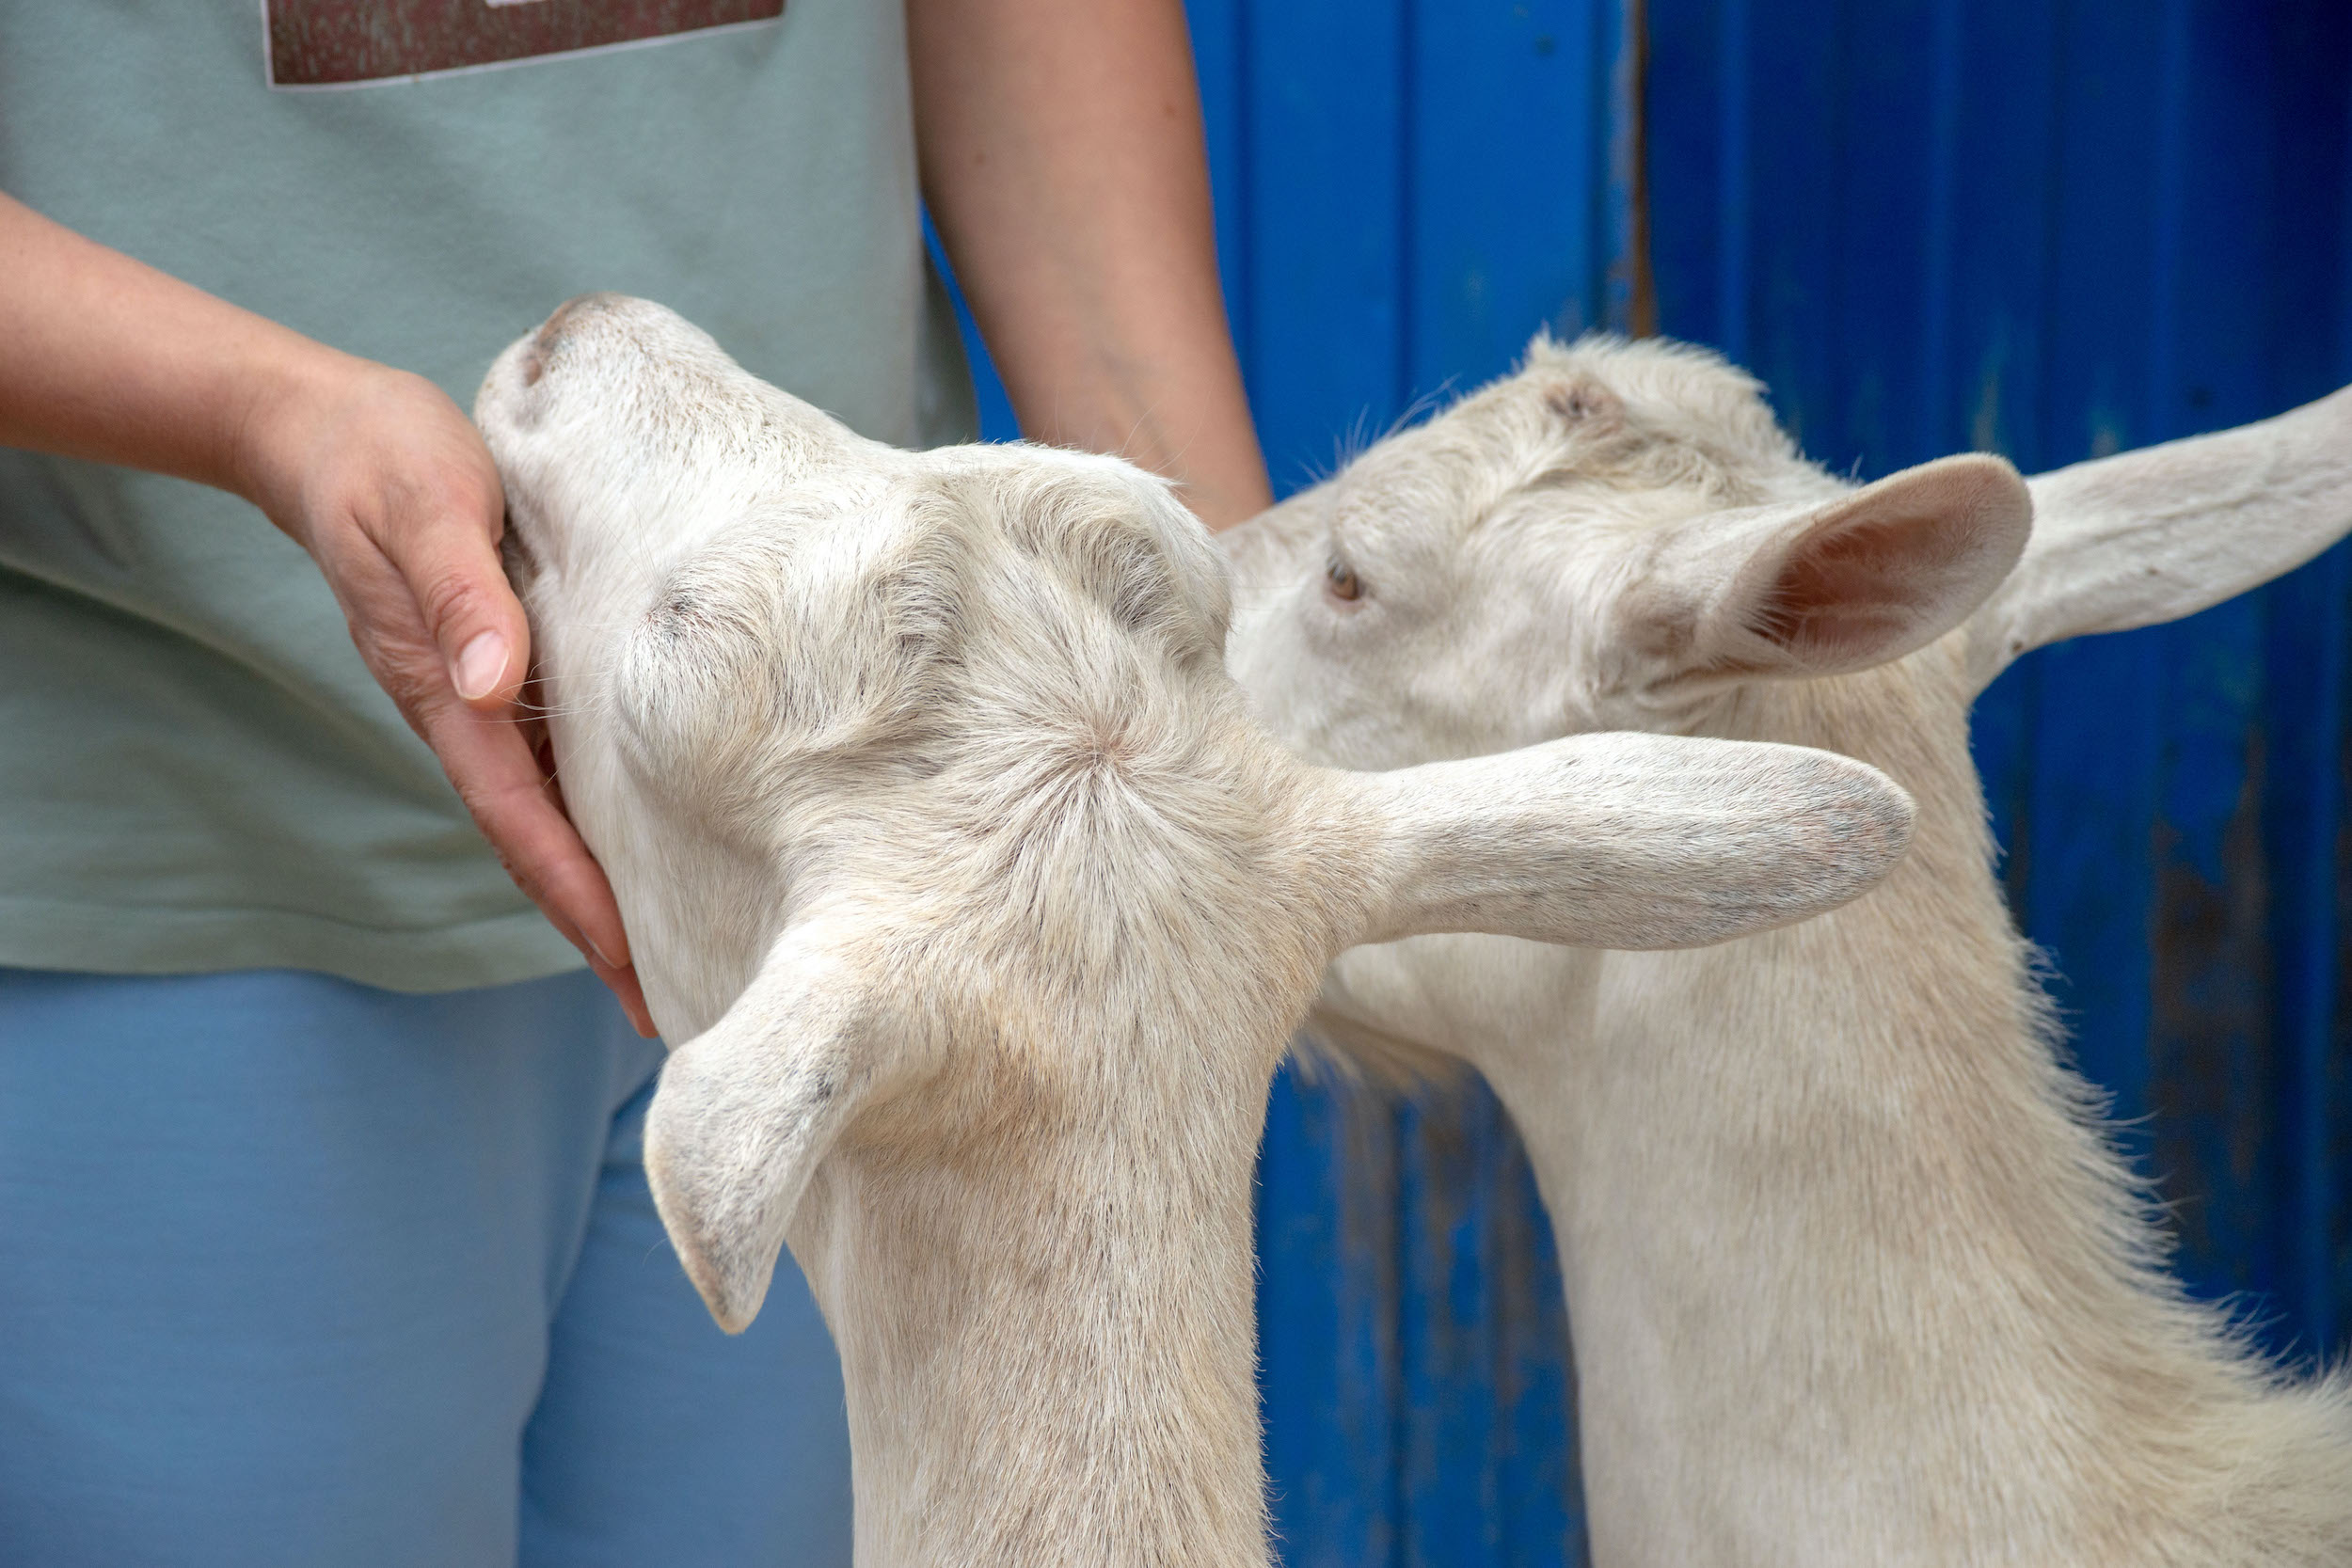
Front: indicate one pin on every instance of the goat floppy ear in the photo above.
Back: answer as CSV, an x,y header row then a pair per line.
x,y
745,1111
2150,537
1626,840
1835,585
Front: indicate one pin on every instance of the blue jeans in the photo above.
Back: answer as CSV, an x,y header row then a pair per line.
x,y
297,1272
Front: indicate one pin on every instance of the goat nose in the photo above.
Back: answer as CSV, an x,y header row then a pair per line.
x,y
553,329
568,314
534,361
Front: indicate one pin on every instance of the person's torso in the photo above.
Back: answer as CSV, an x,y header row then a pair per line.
x,y
191,754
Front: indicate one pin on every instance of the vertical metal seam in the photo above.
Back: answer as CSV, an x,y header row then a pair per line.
x,y
2043,409
2311,1192
1407,134
1400,1234
1629,288
1935,346
1838,376
1732,195
2164,324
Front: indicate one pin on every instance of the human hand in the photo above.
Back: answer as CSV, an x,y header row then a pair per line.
x,y
373,470
377,474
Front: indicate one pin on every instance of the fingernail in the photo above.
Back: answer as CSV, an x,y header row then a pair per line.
x,y
581,940
479,665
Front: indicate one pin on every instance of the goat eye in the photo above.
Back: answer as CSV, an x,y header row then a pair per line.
x,y
1340,580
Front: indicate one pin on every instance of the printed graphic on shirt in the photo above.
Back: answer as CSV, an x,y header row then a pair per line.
x,y
317,43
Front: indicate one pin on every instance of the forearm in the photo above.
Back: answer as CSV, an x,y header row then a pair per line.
x,y
110,359
1062,161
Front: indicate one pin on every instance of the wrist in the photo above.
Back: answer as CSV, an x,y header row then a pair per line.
x,y
285,399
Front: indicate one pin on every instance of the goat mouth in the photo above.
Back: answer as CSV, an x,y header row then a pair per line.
x,y
515,553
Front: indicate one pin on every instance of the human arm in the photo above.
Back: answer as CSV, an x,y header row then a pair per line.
x,y
373,470
1063,164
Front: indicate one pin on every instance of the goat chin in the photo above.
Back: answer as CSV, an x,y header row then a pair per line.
x,y
1855,1272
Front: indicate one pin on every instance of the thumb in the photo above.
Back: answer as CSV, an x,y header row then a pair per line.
x,y
452,568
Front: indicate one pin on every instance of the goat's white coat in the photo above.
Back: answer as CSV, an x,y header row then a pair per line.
x,y
1855,1278
983,909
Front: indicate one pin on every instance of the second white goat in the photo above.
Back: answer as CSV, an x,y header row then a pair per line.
x,y
1854,1277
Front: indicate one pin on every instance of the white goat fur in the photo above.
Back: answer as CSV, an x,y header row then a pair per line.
x,y
984,908
1854,1277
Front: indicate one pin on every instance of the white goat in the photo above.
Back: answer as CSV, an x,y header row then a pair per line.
x,y
984,908
1855,1278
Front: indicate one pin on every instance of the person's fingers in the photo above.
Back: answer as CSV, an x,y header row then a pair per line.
x,y
540,847
450,563
496,776
623,986
490,760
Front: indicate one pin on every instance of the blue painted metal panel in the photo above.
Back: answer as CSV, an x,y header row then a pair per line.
x,y
2050,229
2055,230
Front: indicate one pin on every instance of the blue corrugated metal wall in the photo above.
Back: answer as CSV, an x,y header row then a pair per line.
x,y
2049,228
2055,229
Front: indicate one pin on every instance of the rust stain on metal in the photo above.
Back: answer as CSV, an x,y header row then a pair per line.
x,y
2211,1027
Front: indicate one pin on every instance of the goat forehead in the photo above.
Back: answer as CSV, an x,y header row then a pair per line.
x,y
1470,479
1445,475
1673,433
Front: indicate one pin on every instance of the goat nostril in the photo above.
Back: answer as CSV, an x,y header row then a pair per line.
x,y
532,365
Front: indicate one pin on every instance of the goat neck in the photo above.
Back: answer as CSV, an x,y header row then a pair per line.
x,y
1856,1276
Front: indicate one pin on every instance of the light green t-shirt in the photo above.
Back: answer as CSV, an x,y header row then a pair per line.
x,y
197,772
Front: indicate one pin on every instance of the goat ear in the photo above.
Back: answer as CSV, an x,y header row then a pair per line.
x,y
745,1111
2153,535
1627,840
1836,585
